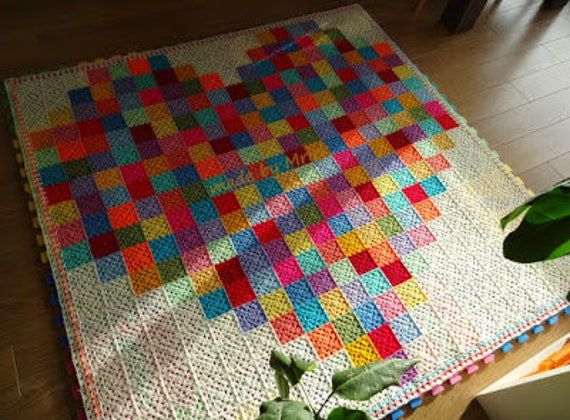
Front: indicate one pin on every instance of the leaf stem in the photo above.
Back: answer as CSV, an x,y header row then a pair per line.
x,y
324,403
306,397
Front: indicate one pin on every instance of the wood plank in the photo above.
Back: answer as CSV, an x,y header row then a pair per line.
x,y
479,105
545,81
536,148
517,122
541,177
38,35
560,48
562,164
459,81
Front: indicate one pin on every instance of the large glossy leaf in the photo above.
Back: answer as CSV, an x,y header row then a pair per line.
x,y
343,413
282,409
544,232
546,207
530,243
292,368
282,385
362,383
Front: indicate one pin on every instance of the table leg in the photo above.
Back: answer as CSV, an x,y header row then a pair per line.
x,y
461,15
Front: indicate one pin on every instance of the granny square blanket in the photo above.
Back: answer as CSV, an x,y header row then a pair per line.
x,y
298,186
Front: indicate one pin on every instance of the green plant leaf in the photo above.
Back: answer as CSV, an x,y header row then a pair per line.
x,y
282,385
292,368
514,214
530,243
551,205
343,413
282,409
361,383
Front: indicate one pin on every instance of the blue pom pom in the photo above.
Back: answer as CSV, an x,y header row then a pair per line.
x,y
507,347
538,329
53,298
552,320
522,338
63,342
415,403
399,413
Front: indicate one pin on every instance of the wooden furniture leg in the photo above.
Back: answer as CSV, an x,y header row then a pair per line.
x,y
461,15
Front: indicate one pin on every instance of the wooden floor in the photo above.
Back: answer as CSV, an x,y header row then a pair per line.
x,y
510,77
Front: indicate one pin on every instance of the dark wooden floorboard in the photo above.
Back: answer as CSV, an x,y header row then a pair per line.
x,y
530,49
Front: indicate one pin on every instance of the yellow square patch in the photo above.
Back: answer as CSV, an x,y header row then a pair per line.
x,y
334,303
248,196
410,293
155,227
157,112
164,128
262,100
235,221
420,170
356,176
299,242
385,185
381,147
317,150
403,119
206,281
279,128
403,72
442,141
350,243
289,180
61,116
409,100
200,152
370,235
108,179
322,67
275,304
269,148
362,351
64,212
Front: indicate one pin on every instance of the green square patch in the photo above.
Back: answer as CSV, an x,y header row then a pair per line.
x,y
179,292
76,255
389,226
171,270
134,117
77,168
119,70
206,117
130,236
186,122
340,92
255,87
46,157
250,155
386,126
307,136
310,214
342,272
348,328
145,81
194,193
290,77
221,250
191,87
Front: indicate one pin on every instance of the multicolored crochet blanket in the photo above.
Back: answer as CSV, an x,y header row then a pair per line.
x,y
299,185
